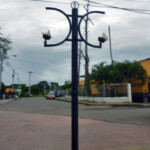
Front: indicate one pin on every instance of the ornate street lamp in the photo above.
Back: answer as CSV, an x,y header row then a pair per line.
x,y
74,28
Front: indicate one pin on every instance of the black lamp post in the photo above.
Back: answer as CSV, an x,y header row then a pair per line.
x,y
75,29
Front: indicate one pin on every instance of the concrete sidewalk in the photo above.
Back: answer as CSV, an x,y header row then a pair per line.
x,y
2,101
27,131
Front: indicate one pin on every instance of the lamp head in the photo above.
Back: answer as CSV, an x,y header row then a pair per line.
x,y
103,38
47,36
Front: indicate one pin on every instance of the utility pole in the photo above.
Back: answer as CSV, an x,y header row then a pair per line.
x,y
87,80
30,83
110,45
79,60
18,81
13,79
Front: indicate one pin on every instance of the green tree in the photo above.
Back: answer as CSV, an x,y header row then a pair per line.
x,y
3,88
5,45
35,90
118,72
98,73
67,85
131,71
43,85
54,85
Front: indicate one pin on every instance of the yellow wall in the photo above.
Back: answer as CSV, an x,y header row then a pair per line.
x,y
94,89
137,86
81,83
146,65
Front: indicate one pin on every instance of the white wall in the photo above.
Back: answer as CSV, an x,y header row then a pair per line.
x,y
127,99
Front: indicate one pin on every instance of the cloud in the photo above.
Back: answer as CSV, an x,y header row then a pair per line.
x,y
24,22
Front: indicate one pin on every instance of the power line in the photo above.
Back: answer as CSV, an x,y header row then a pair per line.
x,y
55,2
142,11
111,6
27,70
23,69
14,67
137,1
51,1
30,62
7,74
85,0
103,6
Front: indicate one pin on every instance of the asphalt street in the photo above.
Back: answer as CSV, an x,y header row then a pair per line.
x,y
39,124
127,114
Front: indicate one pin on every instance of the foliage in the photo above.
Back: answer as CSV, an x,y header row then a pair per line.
x,y
42,85
66,85
24,88
54,85
4,46
35,90
3,88
24,94
118,72
67,82
39,88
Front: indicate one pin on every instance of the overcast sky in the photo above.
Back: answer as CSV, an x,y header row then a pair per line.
x,y
23,21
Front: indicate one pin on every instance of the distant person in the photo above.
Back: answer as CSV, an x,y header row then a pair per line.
x,y
145,96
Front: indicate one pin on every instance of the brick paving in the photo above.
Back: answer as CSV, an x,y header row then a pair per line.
x,y
27,131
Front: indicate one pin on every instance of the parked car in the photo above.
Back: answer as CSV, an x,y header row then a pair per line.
x,y
50,96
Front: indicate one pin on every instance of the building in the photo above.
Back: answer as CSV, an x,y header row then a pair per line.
x,y
137,88
146,65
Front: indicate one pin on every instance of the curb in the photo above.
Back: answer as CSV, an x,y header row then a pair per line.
x,y
107,104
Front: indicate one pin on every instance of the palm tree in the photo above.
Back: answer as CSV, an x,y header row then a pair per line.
x,y
98,73
118,72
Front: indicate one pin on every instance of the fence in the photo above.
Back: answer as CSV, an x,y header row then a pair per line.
x,y
104,93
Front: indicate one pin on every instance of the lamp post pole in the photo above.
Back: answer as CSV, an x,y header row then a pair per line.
x,y
75,29
74,79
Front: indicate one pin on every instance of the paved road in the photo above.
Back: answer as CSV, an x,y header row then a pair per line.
x,y
38,124
129,115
